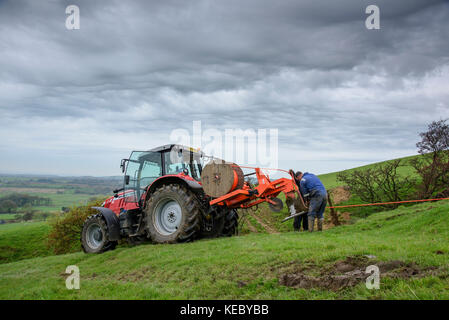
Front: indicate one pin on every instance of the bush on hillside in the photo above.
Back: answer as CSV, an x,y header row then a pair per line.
x,y
382,183
65,232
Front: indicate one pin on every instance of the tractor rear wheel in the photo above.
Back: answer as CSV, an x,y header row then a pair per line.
x,y
224,226
94,237
213,228
230,227
172,214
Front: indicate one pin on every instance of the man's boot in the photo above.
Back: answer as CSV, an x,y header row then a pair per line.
x,y
320,224
311,220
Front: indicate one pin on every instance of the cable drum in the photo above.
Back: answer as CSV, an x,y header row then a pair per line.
x,y
219,179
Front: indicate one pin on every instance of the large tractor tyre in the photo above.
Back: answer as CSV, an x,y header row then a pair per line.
x,y
231,223
172,214
95,237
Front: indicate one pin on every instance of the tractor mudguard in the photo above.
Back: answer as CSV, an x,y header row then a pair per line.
x,y
193,184
112,222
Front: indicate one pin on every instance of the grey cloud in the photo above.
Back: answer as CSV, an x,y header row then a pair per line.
x,y
140,69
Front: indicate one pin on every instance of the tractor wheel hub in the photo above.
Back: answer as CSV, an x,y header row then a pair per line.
x,y
168,216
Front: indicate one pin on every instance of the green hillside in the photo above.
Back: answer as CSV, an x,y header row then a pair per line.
x,y
330,179
23,241
250,267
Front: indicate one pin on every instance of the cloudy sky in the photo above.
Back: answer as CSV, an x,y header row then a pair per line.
x,y
74,102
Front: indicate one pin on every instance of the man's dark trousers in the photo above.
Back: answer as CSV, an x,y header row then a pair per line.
x,y
318,202
302,219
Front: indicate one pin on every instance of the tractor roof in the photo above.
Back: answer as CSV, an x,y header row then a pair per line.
x,y
179,146
162,148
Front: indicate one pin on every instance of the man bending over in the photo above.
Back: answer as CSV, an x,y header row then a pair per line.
x,y
312,188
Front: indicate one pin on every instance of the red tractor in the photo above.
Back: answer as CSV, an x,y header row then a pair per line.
x,y
169,196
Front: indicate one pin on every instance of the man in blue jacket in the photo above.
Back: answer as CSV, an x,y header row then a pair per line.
x,y
313,189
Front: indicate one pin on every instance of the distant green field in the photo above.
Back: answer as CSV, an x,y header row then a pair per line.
x,y
249,267
62,191
66,199
7,216
23,240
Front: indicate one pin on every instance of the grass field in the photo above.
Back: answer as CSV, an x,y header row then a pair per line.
x,y
66,199
248,267
23,240
62,191
7,216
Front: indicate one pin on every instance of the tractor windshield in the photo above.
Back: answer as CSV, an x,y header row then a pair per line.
x,y
176,162
143,168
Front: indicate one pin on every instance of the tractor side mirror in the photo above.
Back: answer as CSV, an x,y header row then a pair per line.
x,y
126,179
123,165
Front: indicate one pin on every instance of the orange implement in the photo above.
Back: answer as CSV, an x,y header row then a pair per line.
x,y
265,191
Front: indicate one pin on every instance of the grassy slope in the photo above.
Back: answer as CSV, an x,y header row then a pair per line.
x,y
23,241
211,269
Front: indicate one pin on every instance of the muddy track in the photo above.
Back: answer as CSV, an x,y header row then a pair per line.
x,y
250,226
245,221
263,224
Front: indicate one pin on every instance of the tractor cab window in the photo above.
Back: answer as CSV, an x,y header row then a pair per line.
x,y
176,162
143,168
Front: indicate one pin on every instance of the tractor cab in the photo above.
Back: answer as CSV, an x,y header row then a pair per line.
x,y
144,167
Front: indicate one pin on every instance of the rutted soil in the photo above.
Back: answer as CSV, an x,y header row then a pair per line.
x,y
250,226
348,273
264,225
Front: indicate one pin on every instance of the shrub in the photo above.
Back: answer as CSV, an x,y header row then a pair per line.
x,y
65,232
381,183
27,216
41,216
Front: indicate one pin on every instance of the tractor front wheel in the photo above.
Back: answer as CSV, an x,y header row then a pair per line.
x,y
172,214
94,237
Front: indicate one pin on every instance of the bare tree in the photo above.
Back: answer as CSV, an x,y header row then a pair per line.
x,y
391,186
381,183
361,183
433,166
435,140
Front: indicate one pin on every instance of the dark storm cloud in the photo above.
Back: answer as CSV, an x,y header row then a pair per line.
x,y
137,70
